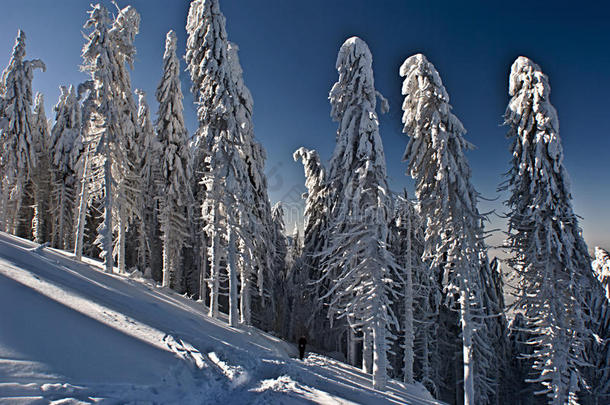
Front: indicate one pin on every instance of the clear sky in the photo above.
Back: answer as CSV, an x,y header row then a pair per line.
x,y
288,51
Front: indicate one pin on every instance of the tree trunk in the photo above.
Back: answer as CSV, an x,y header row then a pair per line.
x,y
203,256
380,361
109,260
61,232
121,239
82,213
246,317
4,206
367,350
469,398
352,347
215,271
232,268
167,253
409,337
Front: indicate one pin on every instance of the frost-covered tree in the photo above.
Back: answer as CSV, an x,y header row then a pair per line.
x,y
107,50
261,225
144,222
41,176
278,281
358,261
310,313
418,305
66,147
221,157
546,243
601,266
448,202
19,155
174,188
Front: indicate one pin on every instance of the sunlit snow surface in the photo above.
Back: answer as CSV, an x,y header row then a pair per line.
x,y
71,334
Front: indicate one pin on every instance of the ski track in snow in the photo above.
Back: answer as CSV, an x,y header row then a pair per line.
x,y
71,334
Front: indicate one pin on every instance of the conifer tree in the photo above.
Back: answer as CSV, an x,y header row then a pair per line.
x,y
261,225
418,305
174,196
221,158
358,261
310,313
66,147
107,50
144,222
547,247
19,156
454,234
41,178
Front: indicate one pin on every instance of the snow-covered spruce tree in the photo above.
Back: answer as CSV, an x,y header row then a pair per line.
x,y
19,156
107,50
66,147
357,260
454,235
144,224
547,247
174,187
601,266
220,157
124,29
310,315
278,293
261,225
418,305
41,177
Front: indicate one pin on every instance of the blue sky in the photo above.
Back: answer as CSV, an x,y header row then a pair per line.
x,y
288,51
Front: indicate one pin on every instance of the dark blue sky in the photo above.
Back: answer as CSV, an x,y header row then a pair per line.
x,y
288,53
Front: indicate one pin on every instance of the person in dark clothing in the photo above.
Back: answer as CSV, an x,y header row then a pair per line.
x,y
302,343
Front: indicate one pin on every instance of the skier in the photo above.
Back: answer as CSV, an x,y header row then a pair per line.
x,y
302,343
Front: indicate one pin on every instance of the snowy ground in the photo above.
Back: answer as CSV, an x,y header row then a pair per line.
x,y
71,334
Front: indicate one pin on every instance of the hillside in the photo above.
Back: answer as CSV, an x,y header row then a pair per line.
x,y
70,333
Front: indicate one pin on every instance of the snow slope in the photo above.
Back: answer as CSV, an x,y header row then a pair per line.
x,y
70,333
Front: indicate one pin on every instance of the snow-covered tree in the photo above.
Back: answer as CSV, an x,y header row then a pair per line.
x,y
41,176
358,261
19,155
278,293
454,235
221,157
418,305
66,148
601,266
112,127
174,188
310,314
546,243
261,223
144,222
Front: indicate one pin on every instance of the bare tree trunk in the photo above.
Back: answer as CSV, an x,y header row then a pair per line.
x,y
409,336
82,213
121,239
367,350
109,260
231,262
380,361
467,348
